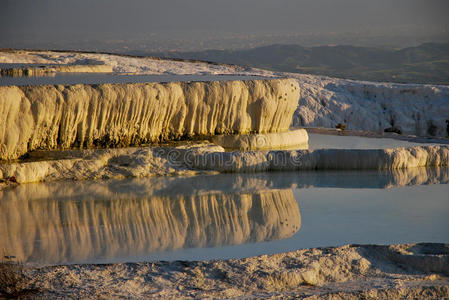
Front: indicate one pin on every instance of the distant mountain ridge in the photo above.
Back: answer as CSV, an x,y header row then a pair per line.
x,y
427,63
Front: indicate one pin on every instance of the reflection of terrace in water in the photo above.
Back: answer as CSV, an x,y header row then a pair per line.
x,y
46,225
121,220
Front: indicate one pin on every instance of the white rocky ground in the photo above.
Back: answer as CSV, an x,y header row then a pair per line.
x,y
324,102
121,64
209,158
409,271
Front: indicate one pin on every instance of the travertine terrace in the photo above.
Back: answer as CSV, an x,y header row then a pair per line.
x,y
209,158
293,139
61,117
38,225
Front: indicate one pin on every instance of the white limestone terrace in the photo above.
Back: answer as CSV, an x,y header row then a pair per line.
x,y
347,272
213,159
124,64
110,115
415,109
49,70
63,117
292,139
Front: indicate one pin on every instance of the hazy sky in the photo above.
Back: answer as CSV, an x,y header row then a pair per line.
x,y
55,19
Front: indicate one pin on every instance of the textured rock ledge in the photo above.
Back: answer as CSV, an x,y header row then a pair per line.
x,y
209,158
321,159
62,117
408,271
48,70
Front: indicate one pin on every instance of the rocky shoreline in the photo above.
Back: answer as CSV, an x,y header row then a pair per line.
x,y
406,271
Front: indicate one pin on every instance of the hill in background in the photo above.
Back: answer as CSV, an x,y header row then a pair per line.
x,y
427,63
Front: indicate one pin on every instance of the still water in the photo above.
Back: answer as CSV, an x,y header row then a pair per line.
x,y
99,78
220,216
326,141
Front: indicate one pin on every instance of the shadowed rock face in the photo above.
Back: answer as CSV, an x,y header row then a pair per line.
x,y
50,224
51,117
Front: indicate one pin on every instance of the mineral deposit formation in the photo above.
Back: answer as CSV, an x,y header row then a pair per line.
x,y
108,115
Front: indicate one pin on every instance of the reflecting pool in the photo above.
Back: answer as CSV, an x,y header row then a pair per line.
x,y
220,216
99,78
326,141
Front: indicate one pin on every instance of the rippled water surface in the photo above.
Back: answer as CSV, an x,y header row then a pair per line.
x,y
220,216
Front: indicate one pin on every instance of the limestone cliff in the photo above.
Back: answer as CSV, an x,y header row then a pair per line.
x,y
52,117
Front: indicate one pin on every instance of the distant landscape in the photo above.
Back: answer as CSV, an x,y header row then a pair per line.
x,y
427,63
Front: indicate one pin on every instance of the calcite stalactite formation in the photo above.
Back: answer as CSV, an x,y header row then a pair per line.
x,y
62,117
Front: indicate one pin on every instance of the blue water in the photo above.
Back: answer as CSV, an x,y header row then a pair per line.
x,y
326,141
221,216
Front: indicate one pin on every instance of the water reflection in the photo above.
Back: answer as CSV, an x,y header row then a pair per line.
x,y
127,220
53,224
326,141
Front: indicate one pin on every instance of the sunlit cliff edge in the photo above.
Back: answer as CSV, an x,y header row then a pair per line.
x,y
61,117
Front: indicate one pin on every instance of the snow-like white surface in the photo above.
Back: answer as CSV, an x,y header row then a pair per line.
x,y
123,64
324,101
407,271
413,108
